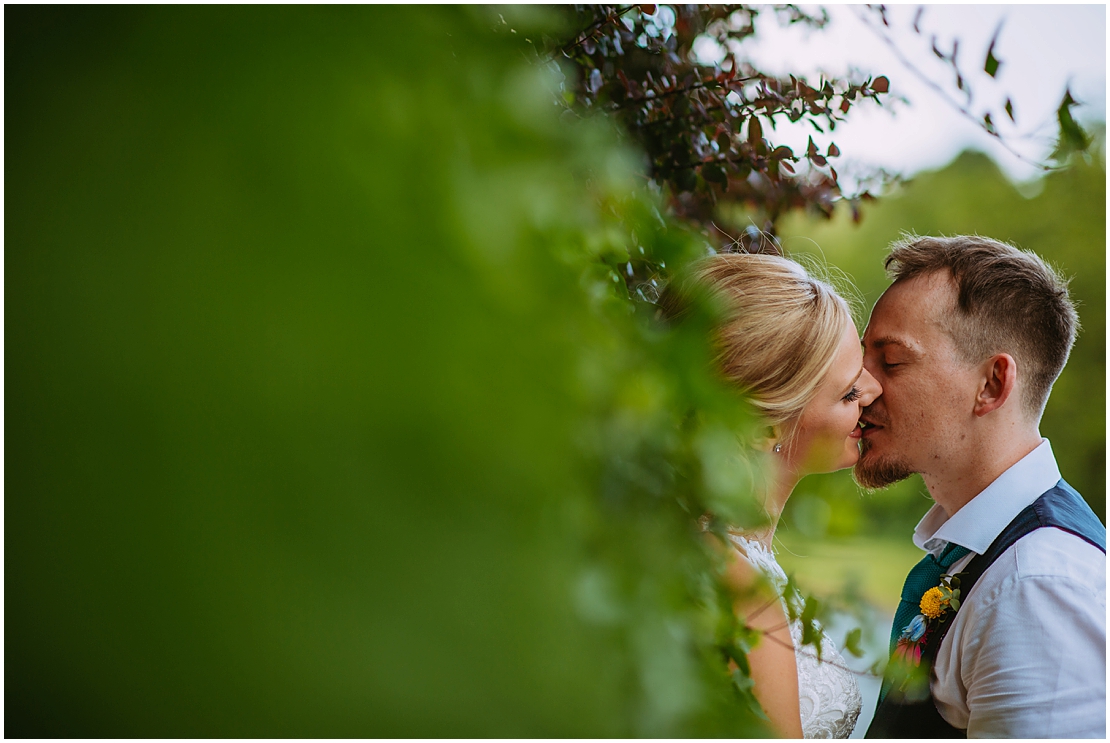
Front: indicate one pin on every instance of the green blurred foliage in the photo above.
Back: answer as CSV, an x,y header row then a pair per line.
x,y
1062,218
328,414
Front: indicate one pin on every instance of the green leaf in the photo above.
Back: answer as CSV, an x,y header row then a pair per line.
x,y
755,132
1072,136
955,603
742,663
686,180
810,634
714,173
992,63
791,589
742,679
1010,109
991,67
744,686
810,610
852,642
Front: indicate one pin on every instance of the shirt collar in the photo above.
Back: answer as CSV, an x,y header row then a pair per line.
x,y
984,517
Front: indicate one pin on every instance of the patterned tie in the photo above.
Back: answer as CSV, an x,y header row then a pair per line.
x,y
925,575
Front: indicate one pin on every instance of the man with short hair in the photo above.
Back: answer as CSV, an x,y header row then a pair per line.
x,y
967,343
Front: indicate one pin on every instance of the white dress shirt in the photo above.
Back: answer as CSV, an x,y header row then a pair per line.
x,y
1026,654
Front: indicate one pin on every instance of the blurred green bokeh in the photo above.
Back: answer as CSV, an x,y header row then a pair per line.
x,y
325,414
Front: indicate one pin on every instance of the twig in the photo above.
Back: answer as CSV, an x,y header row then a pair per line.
x,y
594,27
693,86
819,658
764,608
944,95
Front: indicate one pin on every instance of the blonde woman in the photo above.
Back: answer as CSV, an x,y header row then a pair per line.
x,y
788,340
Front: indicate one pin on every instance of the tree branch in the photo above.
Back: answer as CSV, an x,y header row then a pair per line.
x,y
811,654
593,29
960,108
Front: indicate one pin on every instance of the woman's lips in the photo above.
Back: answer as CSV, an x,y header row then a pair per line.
x,y
856,433
869,429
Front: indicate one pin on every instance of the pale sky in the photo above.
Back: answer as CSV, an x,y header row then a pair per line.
x,y
1043,50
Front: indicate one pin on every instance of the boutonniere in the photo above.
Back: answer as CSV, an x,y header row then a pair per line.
x,y
938,604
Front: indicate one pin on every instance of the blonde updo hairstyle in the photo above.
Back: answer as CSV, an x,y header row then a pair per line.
x,y
780,332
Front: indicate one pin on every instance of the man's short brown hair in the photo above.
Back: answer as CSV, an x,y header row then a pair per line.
x,y
1008,301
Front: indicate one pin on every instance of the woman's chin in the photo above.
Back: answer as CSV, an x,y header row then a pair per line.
x,y
830,455
845,461
851,456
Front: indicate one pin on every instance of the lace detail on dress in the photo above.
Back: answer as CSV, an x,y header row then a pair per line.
x,y
828,694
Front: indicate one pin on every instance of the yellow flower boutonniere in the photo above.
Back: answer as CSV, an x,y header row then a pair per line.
x,y
937,601
936,605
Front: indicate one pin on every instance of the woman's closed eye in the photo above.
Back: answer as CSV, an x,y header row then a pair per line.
x,y
853,395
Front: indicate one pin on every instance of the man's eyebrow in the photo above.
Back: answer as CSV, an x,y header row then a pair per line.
x,y
891,341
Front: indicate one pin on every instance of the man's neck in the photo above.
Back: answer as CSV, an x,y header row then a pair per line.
x,y
959,482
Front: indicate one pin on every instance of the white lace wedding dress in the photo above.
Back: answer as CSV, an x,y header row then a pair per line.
x,y
827,691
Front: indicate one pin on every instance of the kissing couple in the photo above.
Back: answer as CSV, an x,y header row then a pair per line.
x,y
1001,629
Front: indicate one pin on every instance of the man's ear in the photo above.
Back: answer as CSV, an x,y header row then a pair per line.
x,y
998,381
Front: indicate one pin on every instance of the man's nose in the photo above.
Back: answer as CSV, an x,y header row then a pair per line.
x,y
871,388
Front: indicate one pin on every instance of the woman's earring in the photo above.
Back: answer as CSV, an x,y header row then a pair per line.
x,y
777,449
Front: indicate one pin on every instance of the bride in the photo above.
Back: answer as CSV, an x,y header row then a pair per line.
x,y
788,339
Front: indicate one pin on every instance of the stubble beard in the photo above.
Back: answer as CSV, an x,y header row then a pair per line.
x,y
873,472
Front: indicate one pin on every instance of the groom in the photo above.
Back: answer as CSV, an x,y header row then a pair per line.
x,y
967,343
